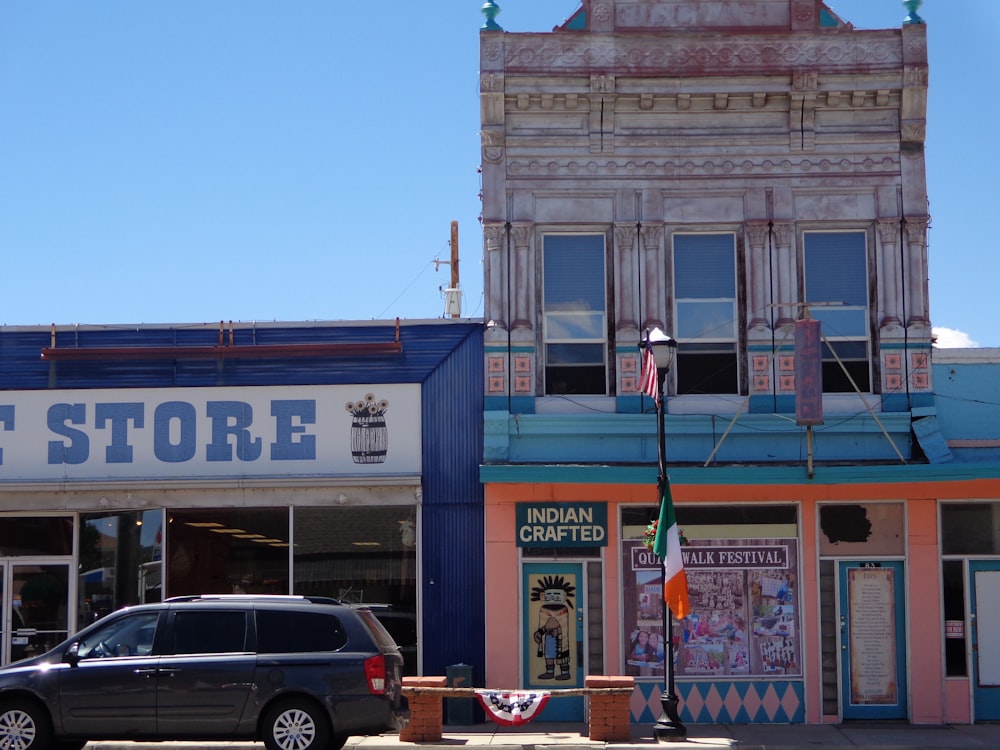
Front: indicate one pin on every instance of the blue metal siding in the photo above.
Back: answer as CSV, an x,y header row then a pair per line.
x,y
425,344
453,585
445,357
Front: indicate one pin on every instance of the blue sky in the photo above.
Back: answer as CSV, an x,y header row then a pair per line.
x,y
190,161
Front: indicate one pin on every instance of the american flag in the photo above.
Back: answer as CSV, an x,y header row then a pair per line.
x,y
648,377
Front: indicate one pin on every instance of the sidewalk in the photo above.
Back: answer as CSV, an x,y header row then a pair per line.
x,y
869,736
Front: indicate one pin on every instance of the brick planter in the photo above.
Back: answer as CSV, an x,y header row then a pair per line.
x,y
610,717
426,709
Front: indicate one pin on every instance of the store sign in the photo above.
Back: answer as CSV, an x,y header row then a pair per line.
x,y
371,429
562,524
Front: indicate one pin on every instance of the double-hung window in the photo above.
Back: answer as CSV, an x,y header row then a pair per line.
x,y
705,313
574,300
836,283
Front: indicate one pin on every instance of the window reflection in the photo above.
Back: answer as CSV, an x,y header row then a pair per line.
x,y
120,556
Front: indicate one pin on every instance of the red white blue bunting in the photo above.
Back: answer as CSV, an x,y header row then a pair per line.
x,y
512,708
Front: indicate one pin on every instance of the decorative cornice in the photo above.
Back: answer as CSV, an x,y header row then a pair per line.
x,y
686,54
699,168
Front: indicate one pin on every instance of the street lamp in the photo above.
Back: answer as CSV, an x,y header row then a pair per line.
x,y
669,728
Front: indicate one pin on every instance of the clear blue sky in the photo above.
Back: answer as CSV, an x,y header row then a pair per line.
x,y
190,161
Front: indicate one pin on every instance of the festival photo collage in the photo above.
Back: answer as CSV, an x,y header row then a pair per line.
x,y
743,623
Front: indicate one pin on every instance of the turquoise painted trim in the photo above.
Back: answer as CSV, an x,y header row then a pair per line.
x,y
603,438
628,404
503,349
900,402
770,404
736,475
906,345
827,21
895,402
518,404
577,22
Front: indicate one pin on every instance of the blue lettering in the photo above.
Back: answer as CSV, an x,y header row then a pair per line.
x,y
119,452
163,417
285,447
78,449
7,419
231,418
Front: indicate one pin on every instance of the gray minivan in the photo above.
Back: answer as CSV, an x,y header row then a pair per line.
x,y
298,673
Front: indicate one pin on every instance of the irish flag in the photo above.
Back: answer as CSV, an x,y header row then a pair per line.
x,y
667,547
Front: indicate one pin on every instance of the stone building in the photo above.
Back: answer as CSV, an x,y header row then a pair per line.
x,y
721,171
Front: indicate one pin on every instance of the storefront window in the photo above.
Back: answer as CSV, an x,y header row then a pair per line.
x,y
970,528
36,536
742,566
364,554
861,529
227,551
119,561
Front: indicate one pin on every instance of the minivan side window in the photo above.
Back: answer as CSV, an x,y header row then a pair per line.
x,y
298,632
125,636
209,632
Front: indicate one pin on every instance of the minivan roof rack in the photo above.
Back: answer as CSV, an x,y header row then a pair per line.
x,y
254,597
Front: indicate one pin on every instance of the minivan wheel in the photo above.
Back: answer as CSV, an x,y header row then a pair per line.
x,y
294,724
23,726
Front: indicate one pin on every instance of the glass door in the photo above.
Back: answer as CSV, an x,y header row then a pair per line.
x,y
984,584
35,601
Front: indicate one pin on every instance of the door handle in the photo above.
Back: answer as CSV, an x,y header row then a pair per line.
x,y
145,672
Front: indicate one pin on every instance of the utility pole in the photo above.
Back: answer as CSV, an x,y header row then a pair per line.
x,y
453,294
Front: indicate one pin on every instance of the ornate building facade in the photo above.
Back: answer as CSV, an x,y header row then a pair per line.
x,y
720,171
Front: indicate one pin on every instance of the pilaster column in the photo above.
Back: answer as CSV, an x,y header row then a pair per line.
x,y
654,277
759,278
524,277
786,267
916,271
495,307
889,299
625,291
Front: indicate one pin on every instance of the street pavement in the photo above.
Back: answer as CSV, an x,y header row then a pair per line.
x,y
539,735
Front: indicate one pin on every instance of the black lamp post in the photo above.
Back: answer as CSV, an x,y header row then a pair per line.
x,y
669,728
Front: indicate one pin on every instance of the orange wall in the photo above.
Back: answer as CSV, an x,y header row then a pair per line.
x,y
927,696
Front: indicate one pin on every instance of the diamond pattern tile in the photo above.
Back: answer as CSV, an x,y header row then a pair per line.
x,y
724,701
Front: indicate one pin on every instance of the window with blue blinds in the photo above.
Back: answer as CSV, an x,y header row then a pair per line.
x,y
835,268
705,313
574,301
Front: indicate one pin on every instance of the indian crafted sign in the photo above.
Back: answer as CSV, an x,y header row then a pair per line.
x,y
562,524
69,435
